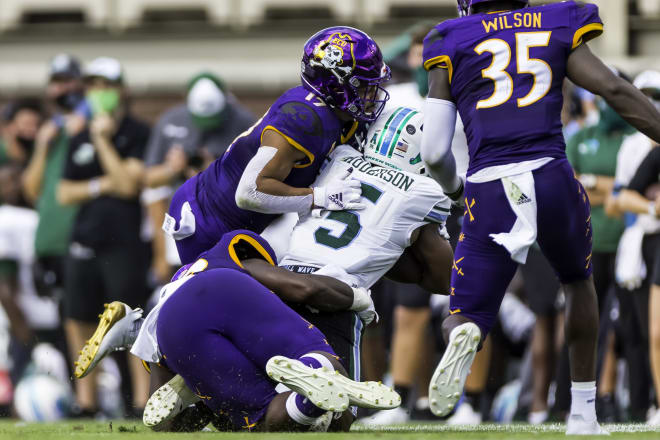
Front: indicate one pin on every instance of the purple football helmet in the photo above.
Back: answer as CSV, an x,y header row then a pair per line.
x,y
344,67
465,5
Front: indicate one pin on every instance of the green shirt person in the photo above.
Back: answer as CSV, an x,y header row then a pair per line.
x,y
592,152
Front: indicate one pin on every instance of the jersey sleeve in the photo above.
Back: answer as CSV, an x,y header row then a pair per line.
x,y
302,127
427,204
438,51
585,23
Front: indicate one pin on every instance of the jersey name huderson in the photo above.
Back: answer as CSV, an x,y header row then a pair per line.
x,y
393,177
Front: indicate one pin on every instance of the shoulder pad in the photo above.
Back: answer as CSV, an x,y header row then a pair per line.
x,y
304,117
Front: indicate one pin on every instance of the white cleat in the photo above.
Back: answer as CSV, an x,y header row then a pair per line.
x,y
329,390
448,380
465,415
576,425
394,416
167,402
113,333
654,419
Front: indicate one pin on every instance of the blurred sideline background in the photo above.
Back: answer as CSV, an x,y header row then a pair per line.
x,y
255,45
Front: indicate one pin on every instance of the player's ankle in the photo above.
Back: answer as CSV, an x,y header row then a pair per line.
x,y
301,410
317,360
583,400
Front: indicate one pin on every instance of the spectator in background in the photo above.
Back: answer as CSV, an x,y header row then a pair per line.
x,y
21,120
186,139
64,94
32,318
107,259
638,254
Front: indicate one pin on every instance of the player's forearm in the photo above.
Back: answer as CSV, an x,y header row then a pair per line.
x,y
271,196
635,108
261,188
321,292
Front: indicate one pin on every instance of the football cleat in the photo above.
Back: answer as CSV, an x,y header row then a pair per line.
x,y
328,389
447,383
576,425
385,417
167,402
113,333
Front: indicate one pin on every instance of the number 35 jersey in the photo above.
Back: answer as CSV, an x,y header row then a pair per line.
x,y
506,72
367,243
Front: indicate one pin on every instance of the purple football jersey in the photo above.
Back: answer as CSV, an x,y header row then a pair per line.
x,y
506,71
305,121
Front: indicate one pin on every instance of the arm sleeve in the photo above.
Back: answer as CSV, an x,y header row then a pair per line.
x,y
437,51
647,173
302,127
585,23
440,123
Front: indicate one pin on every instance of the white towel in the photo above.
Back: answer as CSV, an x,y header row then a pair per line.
x,y
186,223
630,269
521,195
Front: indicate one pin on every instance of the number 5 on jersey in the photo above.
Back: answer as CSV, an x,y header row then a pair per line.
x,y
503,83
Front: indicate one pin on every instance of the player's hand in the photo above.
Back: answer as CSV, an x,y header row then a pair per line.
x,y
369,315
339,195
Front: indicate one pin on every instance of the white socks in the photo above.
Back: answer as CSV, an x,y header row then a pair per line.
x,y
583,400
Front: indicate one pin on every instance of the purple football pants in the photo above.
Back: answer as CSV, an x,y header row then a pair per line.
x,y
219,330
483,269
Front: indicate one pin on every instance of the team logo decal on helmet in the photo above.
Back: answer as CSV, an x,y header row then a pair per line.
x,y
330,54
344,67
395,140
465,5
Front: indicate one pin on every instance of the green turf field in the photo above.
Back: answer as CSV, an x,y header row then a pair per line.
x,y
11,429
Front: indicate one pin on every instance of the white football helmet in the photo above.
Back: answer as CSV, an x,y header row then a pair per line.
x,y
395,140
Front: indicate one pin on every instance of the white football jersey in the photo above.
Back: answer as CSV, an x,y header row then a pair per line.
x,y
367,243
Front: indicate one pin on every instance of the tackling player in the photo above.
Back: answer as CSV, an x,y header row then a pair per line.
x,y
406,209
503,66
268,169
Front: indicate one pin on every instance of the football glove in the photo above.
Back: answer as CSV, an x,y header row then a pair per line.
x,y
339,195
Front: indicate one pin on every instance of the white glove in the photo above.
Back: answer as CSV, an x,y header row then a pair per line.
x,y
368,315
340,194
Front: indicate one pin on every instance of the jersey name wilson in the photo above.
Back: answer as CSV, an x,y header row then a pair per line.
x,y
517,20
393,177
